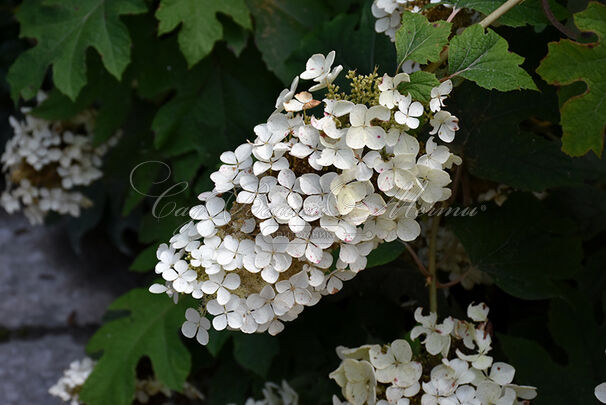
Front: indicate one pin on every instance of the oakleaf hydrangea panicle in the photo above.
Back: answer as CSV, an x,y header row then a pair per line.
x,y
297,209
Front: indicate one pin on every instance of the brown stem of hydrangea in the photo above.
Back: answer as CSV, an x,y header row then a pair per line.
x,y
417,260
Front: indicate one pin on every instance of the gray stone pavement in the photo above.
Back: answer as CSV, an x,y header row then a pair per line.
x,y
51,301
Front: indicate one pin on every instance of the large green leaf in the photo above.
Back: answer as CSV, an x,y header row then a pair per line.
x,y
420,40
216,106
151,329
357,45
495,146
200,28
583,116
111,98
483,57
279,27
523,245
64,30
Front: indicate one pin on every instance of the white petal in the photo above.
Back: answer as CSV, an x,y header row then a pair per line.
x,y
220,322
357,115
189,329
215,205
502,373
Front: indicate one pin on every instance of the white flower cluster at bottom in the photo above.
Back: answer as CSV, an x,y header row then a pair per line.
x,y
432,375
70,384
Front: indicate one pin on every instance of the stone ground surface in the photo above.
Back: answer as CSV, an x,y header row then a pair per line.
x,y
51,301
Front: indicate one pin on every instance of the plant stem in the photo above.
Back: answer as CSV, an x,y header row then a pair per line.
x,y
418,262
505,7
554,21
433,282
454,13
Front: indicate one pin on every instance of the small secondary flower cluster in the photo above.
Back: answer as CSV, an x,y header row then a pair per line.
x,y
313,197
389,14
431,375
274,394
70,384
451,257
45,160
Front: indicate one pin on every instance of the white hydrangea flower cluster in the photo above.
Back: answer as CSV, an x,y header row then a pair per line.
x,y
70,384
312,197
434,375
45,161
274,394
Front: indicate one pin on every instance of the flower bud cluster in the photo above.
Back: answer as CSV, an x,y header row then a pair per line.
x,y
296,211
45,161
452,366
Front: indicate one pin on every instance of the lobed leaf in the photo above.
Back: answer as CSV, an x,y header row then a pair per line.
x,y
280,25
200,28
151,329
64,30
583,117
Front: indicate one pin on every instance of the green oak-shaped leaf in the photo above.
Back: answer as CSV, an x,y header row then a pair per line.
x,y
280,26
420,85
64,30
150,329
483,58
200,28
420,40
583,117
